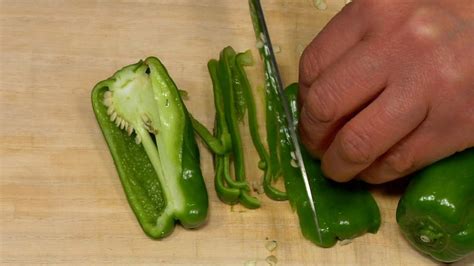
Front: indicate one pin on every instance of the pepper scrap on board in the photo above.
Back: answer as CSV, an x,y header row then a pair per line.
x,y
232,99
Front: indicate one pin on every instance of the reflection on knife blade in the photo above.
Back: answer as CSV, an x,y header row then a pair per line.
x,y
271,66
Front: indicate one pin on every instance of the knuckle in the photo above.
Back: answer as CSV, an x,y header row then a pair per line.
x,y
422,29
399,162
355,146
372,6
320,107
302,95
308,66
310,140
371,178
313,137
316,137
451,71
312,62
375,174
470,119
365,3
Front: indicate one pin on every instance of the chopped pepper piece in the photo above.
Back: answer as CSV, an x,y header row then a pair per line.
x,y
161,177
232,98
345,210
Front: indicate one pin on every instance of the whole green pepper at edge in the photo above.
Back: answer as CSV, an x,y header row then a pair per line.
x,y
161,177
436,213
345,210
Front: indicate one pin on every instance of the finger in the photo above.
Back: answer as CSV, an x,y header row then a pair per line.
x,y
339,35
372,132
342,89
323,134
431,141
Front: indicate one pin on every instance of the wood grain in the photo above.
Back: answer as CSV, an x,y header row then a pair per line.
x,y
61,200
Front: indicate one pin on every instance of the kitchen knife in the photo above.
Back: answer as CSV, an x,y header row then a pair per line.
x,y
266,49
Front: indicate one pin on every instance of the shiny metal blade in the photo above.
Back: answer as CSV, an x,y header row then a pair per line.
x,y
262,34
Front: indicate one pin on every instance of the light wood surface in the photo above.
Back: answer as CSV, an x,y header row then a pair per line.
x,y
61,200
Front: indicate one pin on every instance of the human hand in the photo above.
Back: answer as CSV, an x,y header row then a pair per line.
x,y
387,87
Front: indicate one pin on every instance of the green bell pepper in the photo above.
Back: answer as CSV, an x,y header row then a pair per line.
x,y
161,177
345,210
436,213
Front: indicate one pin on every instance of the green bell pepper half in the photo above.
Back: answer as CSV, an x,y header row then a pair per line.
x,y
436,213
161,176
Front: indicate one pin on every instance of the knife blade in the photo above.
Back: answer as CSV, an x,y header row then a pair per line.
x,y
266,49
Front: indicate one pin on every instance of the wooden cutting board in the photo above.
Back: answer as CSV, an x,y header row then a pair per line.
x,y
61,200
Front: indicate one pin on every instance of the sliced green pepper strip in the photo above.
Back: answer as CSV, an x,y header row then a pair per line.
x,y
162,179
249,201
230,102
227,60
345,210
239,98
222,144
224,73
222,130
215,144
227,195
228,178
243,59
227,141
273,139
436,213
271,119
